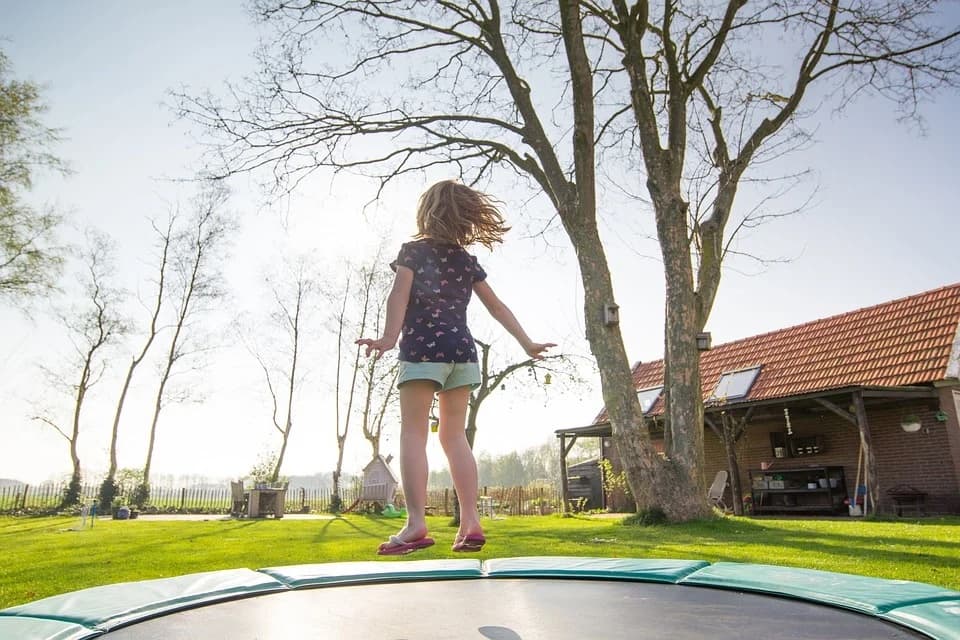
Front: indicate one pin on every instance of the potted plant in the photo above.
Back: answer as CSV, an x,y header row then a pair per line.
x,y
910,423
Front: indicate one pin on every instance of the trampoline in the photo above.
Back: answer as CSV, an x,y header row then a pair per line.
x,y
530,598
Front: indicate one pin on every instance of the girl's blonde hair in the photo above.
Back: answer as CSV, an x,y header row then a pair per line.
x,y
454,213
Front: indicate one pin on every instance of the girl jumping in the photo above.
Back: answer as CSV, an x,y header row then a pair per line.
x,y
427,310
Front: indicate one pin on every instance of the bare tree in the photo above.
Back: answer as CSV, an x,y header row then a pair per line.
x,y
92,328
109,486
359,313
729,432
292,297
342,426
661,86
379,374
196,286
380,398
493,378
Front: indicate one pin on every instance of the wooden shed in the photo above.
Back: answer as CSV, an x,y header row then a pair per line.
x,y
585,481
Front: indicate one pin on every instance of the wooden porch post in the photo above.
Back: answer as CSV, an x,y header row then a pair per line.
x,y
950,405
564,450
870,476
563,474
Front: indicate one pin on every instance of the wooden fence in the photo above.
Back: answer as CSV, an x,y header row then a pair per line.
x,y
498,500
46,497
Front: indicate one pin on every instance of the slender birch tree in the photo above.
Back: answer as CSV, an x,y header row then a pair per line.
x,y
92,326
196,287
293,298
109,487
360,311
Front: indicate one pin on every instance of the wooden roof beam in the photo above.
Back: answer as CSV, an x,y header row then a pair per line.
x,y
843,413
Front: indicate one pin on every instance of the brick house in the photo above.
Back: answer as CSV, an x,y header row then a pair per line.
x,y
865,403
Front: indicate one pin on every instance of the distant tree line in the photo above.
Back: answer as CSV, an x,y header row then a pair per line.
x,y
536,465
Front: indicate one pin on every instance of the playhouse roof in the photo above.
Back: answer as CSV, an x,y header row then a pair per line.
x,y
381,461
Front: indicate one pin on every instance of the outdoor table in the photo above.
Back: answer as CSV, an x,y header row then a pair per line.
x,y
268,500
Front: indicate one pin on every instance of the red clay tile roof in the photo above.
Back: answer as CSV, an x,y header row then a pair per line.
x,y
903,342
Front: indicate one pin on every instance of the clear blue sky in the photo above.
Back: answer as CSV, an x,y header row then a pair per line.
x,y
883,225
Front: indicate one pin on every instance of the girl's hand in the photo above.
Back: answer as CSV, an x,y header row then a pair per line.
x,y
535,349
377,346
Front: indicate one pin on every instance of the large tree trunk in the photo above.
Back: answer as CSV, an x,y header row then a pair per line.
x,y
650,480
684,410
654,481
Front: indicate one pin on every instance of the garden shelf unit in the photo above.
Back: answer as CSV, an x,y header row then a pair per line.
x,y
814,488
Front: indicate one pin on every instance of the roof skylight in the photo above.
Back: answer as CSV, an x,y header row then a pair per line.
x,y
648,397
735,384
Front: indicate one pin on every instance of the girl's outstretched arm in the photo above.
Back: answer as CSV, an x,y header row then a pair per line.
x,y
504,316
396,308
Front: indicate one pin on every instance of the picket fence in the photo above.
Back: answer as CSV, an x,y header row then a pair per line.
x,y
46,497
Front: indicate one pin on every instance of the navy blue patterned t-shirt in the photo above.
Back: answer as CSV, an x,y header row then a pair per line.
x,y
435,324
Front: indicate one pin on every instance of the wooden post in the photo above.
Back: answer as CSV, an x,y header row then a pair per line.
x,y
563,474
870,478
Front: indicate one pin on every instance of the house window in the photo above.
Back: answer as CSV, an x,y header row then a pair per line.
x,y
735,384
648,397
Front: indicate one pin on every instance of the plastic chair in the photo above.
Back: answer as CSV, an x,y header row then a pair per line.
x,y
240,498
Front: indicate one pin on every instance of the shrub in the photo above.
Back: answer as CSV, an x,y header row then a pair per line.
x,y
71,495
647,518
141,495
108,491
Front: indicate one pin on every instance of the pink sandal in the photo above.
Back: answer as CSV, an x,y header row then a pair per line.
x,y
469,543
397,546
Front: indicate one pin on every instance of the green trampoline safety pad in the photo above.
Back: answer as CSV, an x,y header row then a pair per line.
x,y
41,629
102,608
645,570
873,596
315,575
139,609
936,619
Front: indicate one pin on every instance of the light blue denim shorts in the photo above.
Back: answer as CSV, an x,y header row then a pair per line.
x,y
447,375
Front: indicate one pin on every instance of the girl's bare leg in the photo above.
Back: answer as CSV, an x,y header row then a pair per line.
x,y
463,466
416,397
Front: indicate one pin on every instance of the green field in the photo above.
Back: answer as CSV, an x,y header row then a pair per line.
x,y
45,556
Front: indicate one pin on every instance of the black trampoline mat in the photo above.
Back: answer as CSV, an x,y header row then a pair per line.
x,y
513,609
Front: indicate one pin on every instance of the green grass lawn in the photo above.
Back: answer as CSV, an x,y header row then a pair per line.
x,y
44,557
